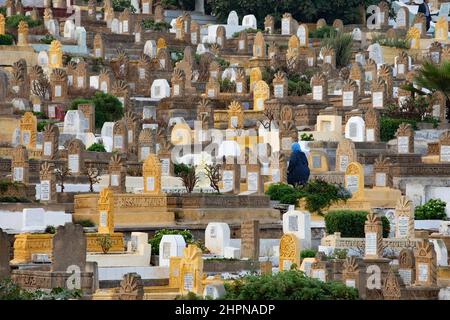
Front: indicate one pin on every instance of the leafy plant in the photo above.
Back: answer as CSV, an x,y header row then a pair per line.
x,y
389,42
47,39
11,291
13,199
307,253
104,241
248,30
150,24
342,45
86,223
350,223
96,147
40,115
189,178
287,285
62,172
214,176
223,63
323,32
433,209
14,20
93,175
50,229
435,78
298,88
6,39
41,125
121,5
227,85
107,107
339,254
156,240
389,126
306,137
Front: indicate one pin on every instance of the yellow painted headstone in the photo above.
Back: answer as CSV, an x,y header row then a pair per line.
x,y
261,93
28,129
354,179
441,29
414,37
22,34
55,54
255,76
191,270
289,252
151,171
161,44
106,212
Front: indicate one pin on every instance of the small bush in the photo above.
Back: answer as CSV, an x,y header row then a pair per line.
x,y
47,39
350,223
307,253
389,126
156,240
96,147
14,20
227,85
121,5
10,199
50,229
394,43
306,137
6,39
85,223
278,190
324,32
433,209
287,285
104,241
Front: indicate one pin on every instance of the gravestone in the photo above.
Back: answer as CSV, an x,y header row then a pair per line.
x,y
355,129
426,264
376,53
151,171
75,122
303,35
298,223
249,22
170,246
319,85
69,248
47,183
117,174
150,48
444,147
406,266
261,93
105,206
354,179
280,85
405,139
372,122
402,21
382,175
250,239
20,165
217,237
404,218
269,24
373,230
289,252
75,157
233,19
345,154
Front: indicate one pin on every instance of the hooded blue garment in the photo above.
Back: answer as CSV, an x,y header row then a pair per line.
x,y
298,169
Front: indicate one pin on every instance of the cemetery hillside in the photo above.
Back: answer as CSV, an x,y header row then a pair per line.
x,y
224,150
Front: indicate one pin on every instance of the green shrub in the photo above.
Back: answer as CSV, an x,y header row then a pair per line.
x,y
47,39
50,229
317,194
307,253
40,115
156,240
11,291
223,63
96,147
227,85
287,285
394,43
12,199
6,39
389,126
179,168
248,30
41,125
107,107
86,223
121,5
306,137
350,223
150,24
324,32
298,88
433,209
342,44
14,20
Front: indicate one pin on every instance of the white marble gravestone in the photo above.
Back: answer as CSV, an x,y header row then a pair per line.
x,y
170,246
217,237
150,48
160,89
75,122
249,21
355,129
298,223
